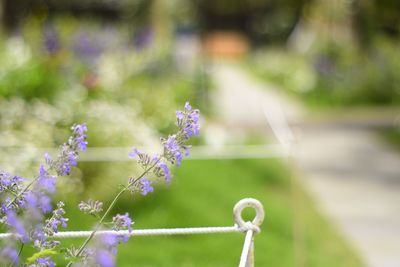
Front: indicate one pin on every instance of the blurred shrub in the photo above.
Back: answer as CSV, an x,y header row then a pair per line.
x,y
358,77
284,68
51,78
336,75
25,76
28,125
50,57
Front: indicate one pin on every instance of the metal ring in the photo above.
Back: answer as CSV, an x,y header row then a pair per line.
x,y
248,203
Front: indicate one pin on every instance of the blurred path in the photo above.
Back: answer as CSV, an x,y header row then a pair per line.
x,y
240,99
356,181
354,178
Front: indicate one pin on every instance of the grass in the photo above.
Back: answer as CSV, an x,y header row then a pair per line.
x,y
203,193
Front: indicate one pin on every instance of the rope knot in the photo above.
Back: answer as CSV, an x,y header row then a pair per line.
x,y
249,226
254,225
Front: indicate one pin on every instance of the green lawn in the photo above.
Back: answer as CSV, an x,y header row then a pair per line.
x,y
203,193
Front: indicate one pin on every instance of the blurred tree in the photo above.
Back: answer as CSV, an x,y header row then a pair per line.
x,y
323,23
375,17
263,21
16,11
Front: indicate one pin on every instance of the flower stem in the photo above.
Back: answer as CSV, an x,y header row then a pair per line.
x,y
23,191
19,254
97,227
98,224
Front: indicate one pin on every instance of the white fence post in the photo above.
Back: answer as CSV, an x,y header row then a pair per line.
x,y
247,257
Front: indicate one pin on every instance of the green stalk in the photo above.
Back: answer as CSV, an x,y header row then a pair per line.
x,y
90,237
23,191
19,254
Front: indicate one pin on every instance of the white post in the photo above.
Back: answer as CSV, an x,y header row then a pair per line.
x,y
247,257
250,228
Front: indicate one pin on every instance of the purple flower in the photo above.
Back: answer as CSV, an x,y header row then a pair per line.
x,y
155,158
37,202
104,258
78,140
171,145
80,129
195,116
5,179
143,37
56,220
9,253
146,186
72,158
40,232
44,262
87,47
38,236
110,241
178,158
64,169
179,115
4,207
187,106
47,158
190,124
69,151
44,203
81,143
166,171
187,150
175,149
122,222
47,183
42,171
10,183
14,222
192,130
30,199
134,152
51,40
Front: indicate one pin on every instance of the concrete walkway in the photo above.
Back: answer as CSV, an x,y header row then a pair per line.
x,y
353,177
240,100
356,182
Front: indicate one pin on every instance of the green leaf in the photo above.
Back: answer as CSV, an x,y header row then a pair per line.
x,y
43,253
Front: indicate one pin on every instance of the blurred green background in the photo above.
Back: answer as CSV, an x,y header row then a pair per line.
x,y
124,67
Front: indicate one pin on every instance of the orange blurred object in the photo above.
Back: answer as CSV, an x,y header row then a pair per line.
x,y
226,44
91,81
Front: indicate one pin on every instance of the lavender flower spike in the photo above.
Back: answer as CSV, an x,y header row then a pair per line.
x,y
92,207
69,151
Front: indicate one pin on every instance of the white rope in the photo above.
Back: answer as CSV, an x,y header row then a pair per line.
x,y
152,232
144,232
250,228
119,154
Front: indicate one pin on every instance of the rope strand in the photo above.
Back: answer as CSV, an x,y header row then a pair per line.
x,y
142,232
